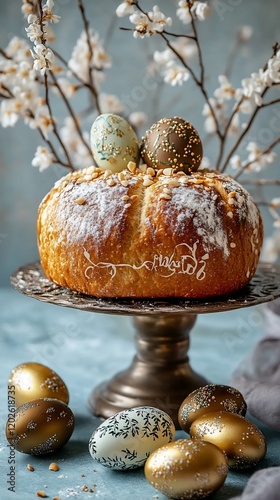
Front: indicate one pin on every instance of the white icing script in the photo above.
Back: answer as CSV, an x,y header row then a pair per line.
x,y
165,265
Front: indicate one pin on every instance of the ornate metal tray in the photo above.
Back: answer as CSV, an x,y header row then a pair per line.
x,y
30,280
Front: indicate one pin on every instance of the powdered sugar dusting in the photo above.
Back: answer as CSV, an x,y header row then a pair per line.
x,y
103,206
199,208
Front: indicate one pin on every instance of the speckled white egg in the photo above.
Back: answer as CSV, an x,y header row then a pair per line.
x,y
125,440
113,142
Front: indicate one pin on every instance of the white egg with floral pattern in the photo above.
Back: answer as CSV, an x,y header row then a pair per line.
x,y
125,440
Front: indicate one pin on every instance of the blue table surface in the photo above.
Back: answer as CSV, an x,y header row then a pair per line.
x,y
86,348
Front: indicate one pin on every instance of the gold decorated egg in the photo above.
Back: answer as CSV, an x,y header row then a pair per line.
x,y
34,380
187,469
40,426
241,440
209,398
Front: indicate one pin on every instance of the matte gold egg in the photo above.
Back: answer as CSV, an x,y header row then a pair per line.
x,y
209,398
40,426
34,380
187,469
241,440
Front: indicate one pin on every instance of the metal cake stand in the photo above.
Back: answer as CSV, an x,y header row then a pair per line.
x,y
160,374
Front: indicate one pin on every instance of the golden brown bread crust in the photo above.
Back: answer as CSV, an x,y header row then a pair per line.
x,y
136,234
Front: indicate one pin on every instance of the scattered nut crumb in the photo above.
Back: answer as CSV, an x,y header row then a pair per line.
x,y
83,475
150,171
110,182
80,201
41,494
164,196
131,166
30,467
56,498
90,490
84,488
148,182
53,466
167,171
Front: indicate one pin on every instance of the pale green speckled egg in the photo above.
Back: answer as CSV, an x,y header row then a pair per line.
x,y
113,142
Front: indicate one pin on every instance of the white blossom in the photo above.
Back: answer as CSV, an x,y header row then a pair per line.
x,y
218,108
246,104
225,92
9,112
18,50
110,103
183,12
147,25
27,8
271,247
80,154
34,32
201,10
258,160
163,57
272,74
175,74
185,47
186,12
235,162
159,20
43,58
137,119
254,86
42,159
125,8
234,125
48,14
244,33
143,26
42,120
69,89
80,60
275,202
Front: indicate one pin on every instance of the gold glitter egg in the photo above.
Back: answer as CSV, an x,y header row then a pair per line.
x,y
209,398
34,380
241,440
40,426
187,469
113,143
172,142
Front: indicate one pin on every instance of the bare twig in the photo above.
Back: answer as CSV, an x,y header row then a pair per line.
x,y
71,112
90,69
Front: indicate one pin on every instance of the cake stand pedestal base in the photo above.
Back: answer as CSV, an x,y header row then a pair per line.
x,y
160,374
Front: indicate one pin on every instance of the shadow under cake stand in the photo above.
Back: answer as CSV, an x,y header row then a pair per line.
x,y
160,374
